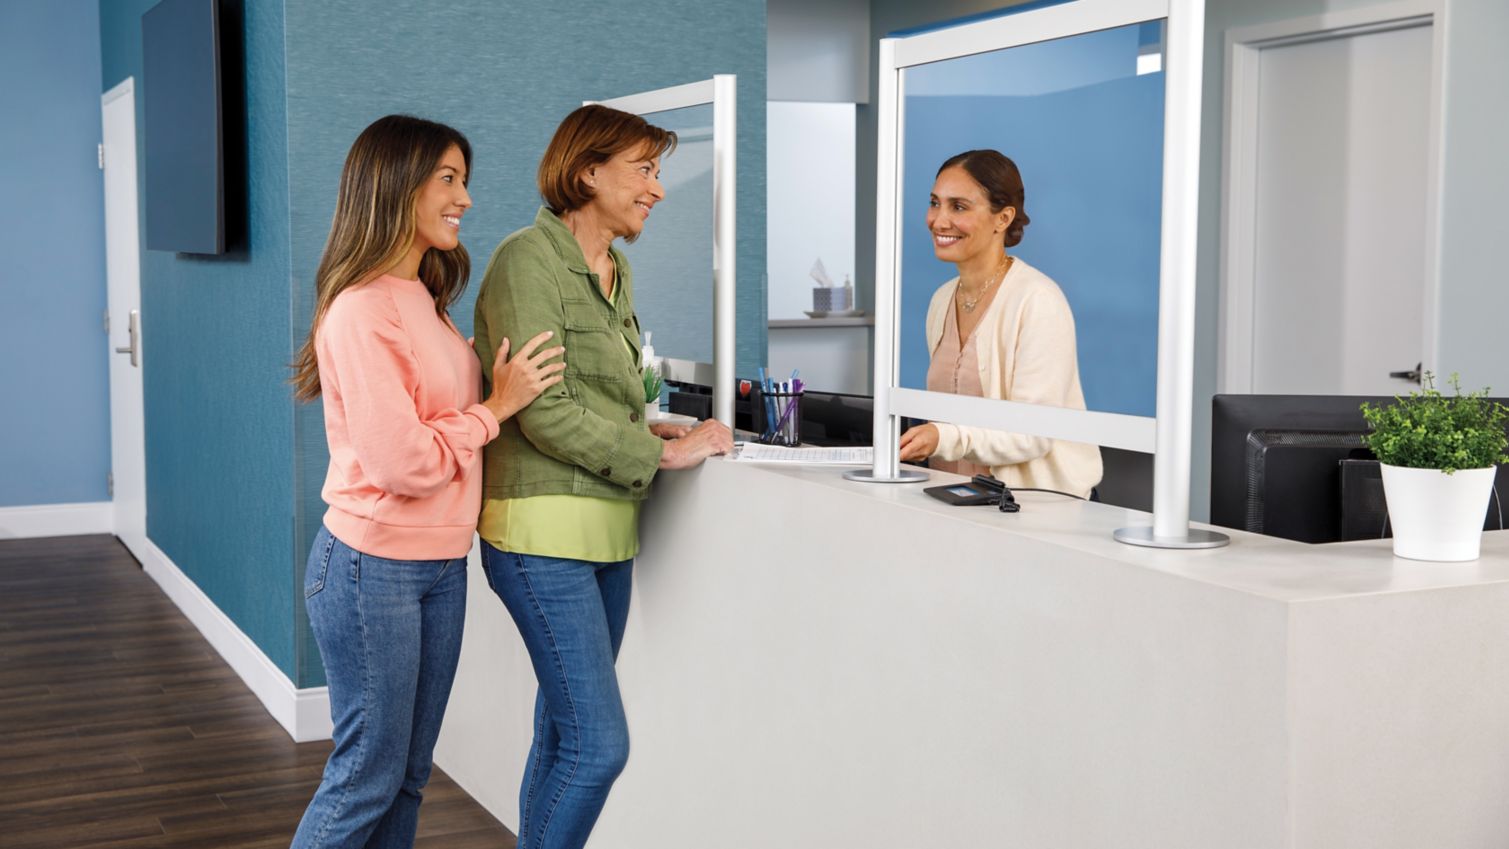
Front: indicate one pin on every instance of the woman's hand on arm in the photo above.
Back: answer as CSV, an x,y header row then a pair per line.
x,y
919,443
706,439
518,381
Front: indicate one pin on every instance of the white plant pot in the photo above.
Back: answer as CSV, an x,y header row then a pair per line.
x,y
1436,516
652,412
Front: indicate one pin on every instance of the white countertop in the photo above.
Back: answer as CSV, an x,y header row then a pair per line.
x,y
1270,567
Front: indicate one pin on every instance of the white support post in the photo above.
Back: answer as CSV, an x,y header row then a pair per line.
x,y
725,245
1176,288
887,468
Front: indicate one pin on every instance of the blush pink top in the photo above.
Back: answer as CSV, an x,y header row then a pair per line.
x,y
400,390
955,368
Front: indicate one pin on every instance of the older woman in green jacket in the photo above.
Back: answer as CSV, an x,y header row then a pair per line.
x,y
564,480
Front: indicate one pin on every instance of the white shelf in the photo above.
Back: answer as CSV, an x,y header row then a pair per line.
x,y
789,323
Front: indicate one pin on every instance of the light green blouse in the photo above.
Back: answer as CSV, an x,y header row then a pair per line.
x,y
579,527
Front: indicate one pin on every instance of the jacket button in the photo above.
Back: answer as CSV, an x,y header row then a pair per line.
x,y
607,472
634,417
628,323
638,484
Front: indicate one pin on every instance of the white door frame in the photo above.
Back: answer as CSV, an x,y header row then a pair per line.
x,y
1239,177
123,276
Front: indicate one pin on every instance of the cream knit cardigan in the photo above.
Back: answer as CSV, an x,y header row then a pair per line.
x,y
1026,349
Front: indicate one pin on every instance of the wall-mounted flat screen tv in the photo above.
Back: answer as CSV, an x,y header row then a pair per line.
x,y
185,169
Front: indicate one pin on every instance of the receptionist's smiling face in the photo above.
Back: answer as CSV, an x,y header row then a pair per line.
x,y
960,220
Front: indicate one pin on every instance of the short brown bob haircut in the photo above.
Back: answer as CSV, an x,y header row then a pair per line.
x,y
587,138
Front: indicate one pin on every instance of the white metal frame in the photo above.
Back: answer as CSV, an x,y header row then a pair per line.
x,y
1168,435
721,92
1239,175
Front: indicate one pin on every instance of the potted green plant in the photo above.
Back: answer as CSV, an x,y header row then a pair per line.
x,y
1439,455
652,388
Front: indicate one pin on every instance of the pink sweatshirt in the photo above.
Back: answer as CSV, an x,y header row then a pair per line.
x,y
400,391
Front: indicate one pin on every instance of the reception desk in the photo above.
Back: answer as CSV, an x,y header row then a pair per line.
x,y
812,662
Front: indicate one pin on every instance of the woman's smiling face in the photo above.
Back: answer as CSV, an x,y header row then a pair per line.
x,y
960,219
625,189
441,202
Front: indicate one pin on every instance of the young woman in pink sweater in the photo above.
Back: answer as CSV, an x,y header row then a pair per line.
x,y
385,584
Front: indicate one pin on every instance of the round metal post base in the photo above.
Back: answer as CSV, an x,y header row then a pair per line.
x,y
902,476
1193,538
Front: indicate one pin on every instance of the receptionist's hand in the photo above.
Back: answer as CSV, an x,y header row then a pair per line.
x,y
919,442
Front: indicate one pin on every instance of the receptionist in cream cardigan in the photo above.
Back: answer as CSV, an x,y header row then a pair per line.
x,y
1000,329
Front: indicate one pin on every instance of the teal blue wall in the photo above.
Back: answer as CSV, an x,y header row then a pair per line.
x,y
219,418
55,432
504,74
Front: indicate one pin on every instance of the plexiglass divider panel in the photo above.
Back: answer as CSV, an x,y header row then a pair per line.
x,y
683,262
1097,104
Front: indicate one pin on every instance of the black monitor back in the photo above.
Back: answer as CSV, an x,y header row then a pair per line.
x,y
1294,466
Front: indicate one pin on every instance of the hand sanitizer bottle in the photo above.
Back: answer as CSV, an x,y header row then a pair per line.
x,y
647,352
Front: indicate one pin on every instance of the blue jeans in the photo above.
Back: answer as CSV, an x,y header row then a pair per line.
x,y
571,614
389,633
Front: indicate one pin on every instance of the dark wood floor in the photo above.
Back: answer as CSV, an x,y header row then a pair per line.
x,y
120,728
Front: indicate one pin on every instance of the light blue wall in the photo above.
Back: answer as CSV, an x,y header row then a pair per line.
x,y
503,74
55,431
219,417
1087,134
886,17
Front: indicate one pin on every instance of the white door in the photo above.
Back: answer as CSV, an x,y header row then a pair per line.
x,y
1341,277
128,465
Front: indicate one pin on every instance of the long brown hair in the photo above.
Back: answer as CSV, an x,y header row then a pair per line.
x,y
1002,182
373,227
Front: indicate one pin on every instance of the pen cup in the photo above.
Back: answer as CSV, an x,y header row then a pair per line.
x,y
778,416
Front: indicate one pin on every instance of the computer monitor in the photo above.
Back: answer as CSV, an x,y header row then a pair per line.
x,y
828,419
1295,466
837,419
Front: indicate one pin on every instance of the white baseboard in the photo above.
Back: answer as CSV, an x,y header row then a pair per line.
x,y
57,520
304,714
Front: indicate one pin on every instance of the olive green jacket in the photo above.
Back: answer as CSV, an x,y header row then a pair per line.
x,y
586,435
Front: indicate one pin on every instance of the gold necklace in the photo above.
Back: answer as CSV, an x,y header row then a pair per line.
x,y
969,304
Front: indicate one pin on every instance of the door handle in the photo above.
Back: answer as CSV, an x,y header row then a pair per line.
x,y
1412,376
134,330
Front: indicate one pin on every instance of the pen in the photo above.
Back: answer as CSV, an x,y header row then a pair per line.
x,y
795,388
766,400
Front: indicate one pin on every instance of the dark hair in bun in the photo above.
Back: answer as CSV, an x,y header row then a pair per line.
x,y
1002,183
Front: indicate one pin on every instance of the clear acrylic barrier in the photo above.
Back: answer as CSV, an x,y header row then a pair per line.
x,y
1082,118
1168,433
685,261
673,258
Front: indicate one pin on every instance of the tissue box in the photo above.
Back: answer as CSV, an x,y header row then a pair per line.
x,y
832,299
